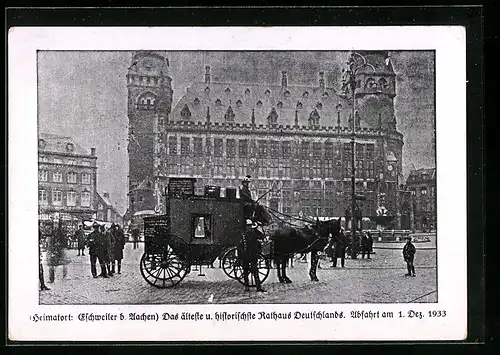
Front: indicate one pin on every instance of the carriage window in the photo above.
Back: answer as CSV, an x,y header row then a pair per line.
x,y
202,224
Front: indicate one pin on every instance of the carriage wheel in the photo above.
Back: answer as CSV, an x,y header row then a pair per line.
x,y
164,269
233,268
231,264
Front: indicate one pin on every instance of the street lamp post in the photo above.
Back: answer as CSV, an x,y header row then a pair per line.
x,y
352,69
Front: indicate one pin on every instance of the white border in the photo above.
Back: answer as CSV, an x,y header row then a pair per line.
x,y
449,43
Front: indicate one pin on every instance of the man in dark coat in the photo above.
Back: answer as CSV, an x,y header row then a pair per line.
x,y
408,255
107,249
94,242
80,238
365,246
41,277
340,245
56,251
118,245
246,196
135,236
249,248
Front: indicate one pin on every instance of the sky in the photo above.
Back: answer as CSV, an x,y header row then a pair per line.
x,y
83,94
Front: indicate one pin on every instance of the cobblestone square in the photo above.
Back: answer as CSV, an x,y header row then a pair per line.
x,y
378,280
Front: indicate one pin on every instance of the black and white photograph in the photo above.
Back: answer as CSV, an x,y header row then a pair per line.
x,y
237,177
280,176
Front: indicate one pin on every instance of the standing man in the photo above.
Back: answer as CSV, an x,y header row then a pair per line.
x,y
118,245
370,244
93,240
41,278
135,236
408,255
107,249
365,246
246,196
80,238
249,248
340,245
57,250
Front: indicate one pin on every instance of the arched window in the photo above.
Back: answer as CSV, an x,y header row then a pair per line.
x,y
305,94
227,91
218,102
382,83
247,91
280,105
238,103
299,104
196,101
207,90
41,144
267,93
319,105
370,84
259,103
146,101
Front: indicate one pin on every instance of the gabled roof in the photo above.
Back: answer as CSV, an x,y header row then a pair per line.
x,y
418,174
55,143
262,98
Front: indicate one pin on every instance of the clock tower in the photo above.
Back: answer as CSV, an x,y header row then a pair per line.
x,y
149,104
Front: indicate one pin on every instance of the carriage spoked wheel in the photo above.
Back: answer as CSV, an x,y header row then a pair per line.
x,y
233,267
164,268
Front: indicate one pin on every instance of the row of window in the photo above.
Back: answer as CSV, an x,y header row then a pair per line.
x,y
71,177
313,169
423,191
273,148
58,198
44,159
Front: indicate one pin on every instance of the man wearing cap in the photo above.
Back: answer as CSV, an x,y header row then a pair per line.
x,y
408,255
246,195
249,248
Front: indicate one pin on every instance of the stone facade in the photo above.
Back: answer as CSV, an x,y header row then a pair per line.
x,y
67,180
422,185
294,139
106,211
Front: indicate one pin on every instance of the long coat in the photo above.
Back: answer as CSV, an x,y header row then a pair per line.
x,y
340,245
56,253
409,252
118,244
80,237
249,246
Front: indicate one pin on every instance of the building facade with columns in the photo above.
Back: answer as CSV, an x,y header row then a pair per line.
x,y
293,139
67,180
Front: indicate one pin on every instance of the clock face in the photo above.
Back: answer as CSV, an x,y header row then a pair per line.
x,y
389,168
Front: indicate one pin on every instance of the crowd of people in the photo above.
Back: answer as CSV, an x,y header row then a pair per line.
x,y
104,246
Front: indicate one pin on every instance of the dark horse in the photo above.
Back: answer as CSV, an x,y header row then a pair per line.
x,y
288,241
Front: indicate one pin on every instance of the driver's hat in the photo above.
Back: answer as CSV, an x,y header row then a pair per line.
x,y
249,222
246,178
95,224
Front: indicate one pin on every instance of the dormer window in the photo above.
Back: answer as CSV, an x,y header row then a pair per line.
x,y
259,103
247,91
207,90
325,95
227,91
267,93
382,83
299,104
238,103
280,105
41,144
229,116
185,113
196,101
218,102
70,147
286,93
272,119
319,106
305,94
371,84
314,118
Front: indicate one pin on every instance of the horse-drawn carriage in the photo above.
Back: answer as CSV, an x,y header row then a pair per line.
x,y
194,231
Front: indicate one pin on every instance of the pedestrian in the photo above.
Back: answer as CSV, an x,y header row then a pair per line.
x,y
107,249
365,246
56,253
135,236
248,251
118,245
94,242
41,277
370,244
246,196
340,245
80,239
408,255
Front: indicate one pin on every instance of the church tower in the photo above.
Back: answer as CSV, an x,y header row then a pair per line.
x,y
149,105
